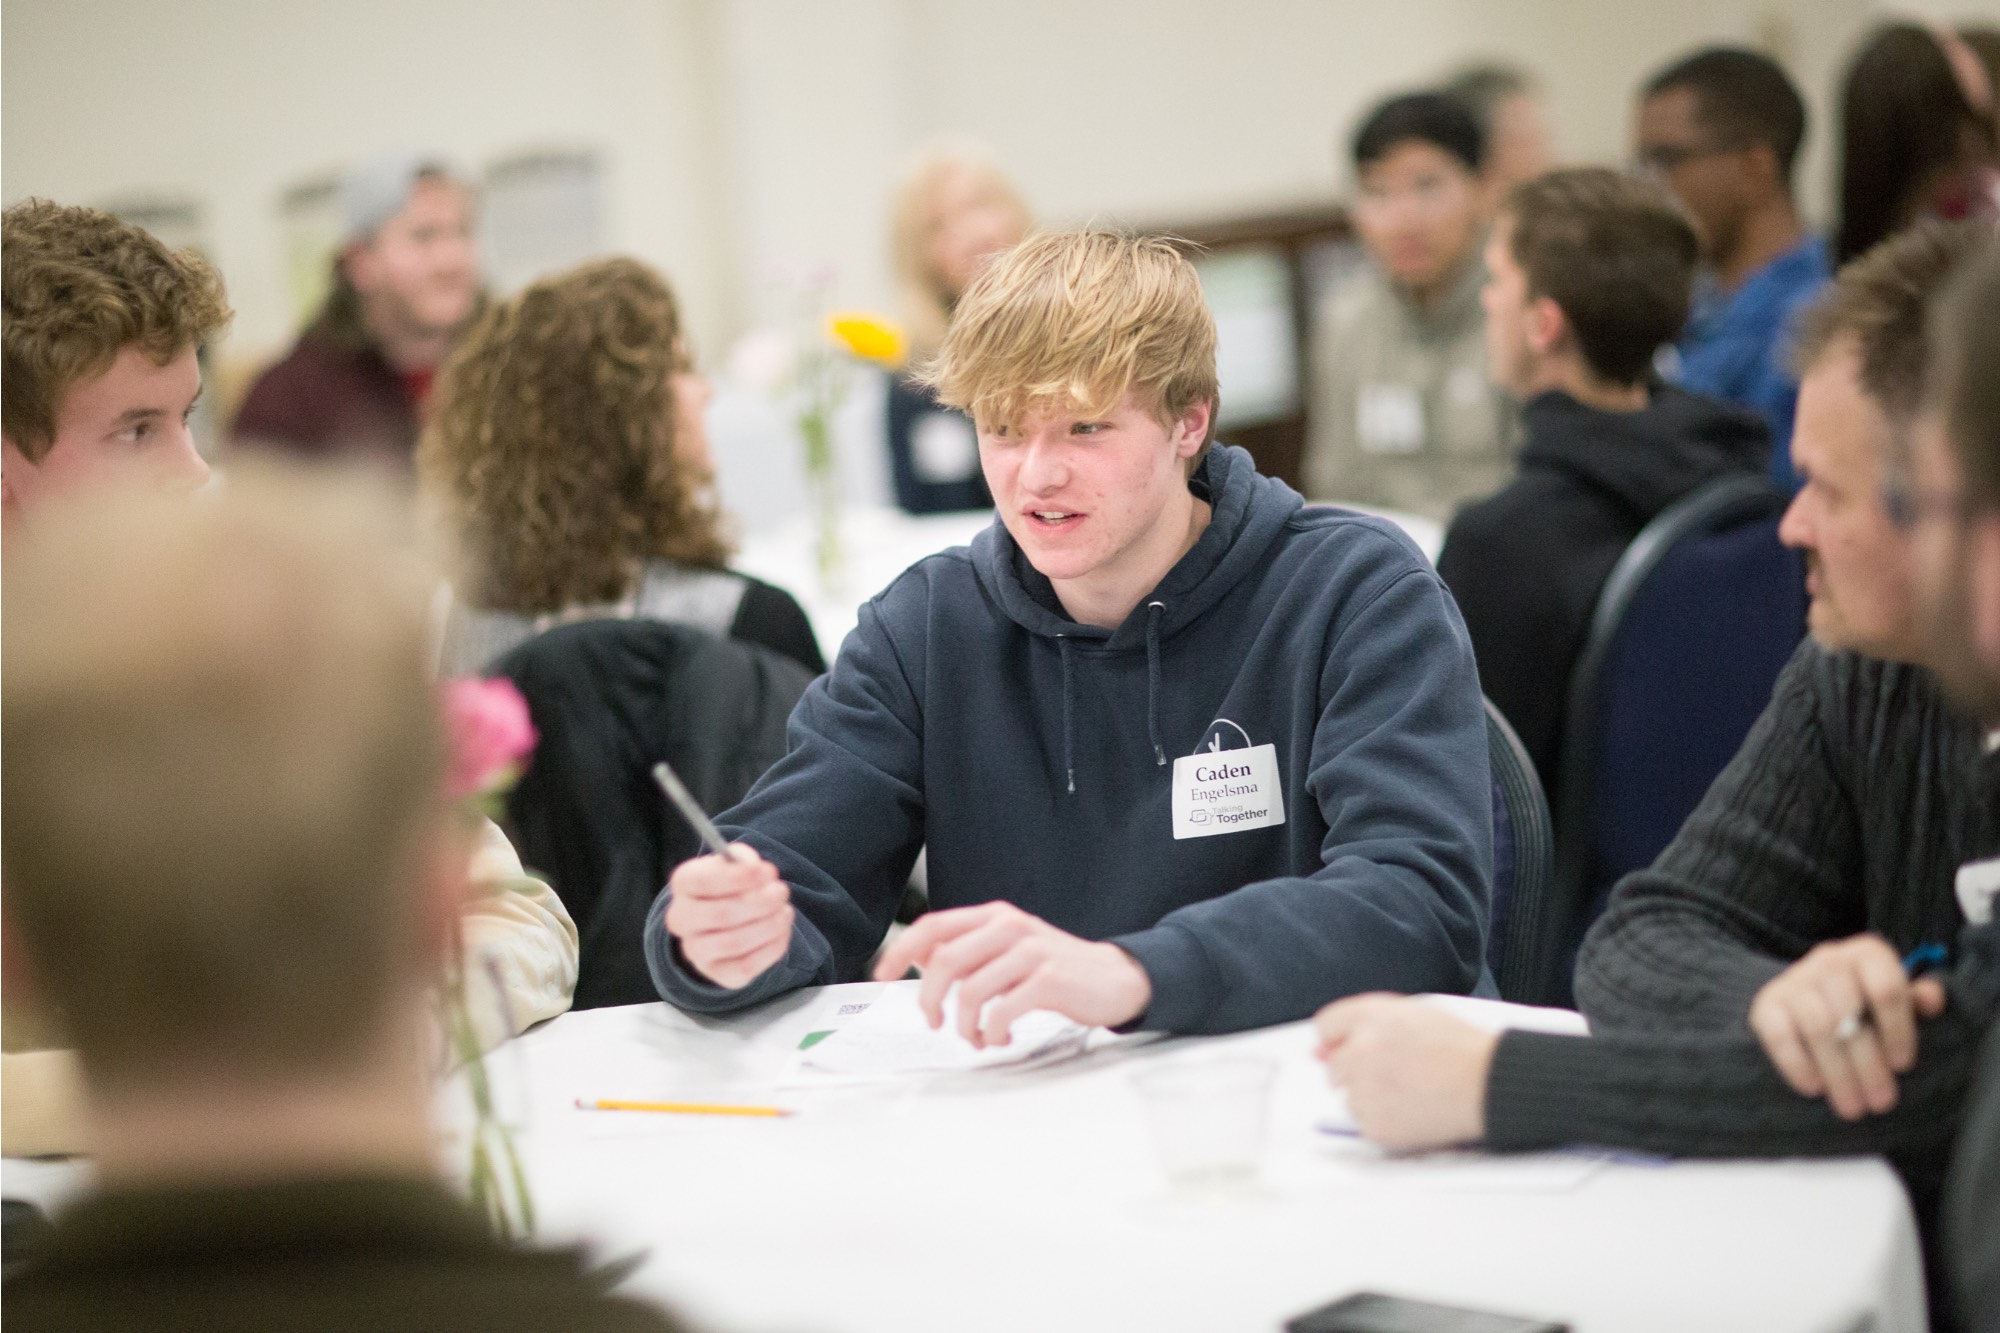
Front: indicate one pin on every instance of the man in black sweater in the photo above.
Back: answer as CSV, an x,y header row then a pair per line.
x,y
1588,273
1746,993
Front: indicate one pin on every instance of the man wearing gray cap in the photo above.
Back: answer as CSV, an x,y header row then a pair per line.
x,y
404,283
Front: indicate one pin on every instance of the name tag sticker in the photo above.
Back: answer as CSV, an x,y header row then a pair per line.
x,y
1389,419
1977,883
1227,791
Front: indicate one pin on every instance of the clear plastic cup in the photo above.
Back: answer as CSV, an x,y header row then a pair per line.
x,y
1208,1119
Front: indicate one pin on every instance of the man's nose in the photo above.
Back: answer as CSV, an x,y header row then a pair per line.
x,y
1043,466
1795,527
187,468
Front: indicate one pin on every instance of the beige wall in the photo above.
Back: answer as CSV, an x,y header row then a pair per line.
x,y
740,133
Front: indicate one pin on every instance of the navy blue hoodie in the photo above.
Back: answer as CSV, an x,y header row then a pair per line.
x,y
1033,756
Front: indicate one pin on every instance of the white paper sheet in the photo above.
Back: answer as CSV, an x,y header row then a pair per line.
x,y
892,1038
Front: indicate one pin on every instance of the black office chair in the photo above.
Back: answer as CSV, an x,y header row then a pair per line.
x,y
1523,849
610,698
1695,622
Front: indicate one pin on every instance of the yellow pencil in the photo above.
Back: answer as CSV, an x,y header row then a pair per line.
x,y
680,1108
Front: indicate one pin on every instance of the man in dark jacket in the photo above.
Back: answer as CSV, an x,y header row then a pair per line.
x,y
1589,272
1184,754
405,282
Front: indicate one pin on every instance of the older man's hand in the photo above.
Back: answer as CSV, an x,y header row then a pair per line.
x,y
1415,1076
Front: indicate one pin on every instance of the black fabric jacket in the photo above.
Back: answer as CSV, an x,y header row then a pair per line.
x,y
382,1254
1972,1202
1527,564
611,698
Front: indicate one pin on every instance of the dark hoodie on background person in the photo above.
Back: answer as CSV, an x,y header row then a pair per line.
x,y
1527,564
1034,758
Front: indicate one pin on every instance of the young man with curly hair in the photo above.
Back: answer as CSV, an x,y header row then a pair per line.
x,y
1183,754
100,334
103,327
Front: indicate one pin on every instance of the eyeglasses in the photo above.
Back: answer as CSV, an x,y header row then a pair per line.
x,y
1663,159
1907,508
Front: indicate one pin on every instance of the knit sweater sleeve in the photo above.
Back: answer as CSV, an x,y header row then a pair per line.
x,y
1766,866
1716,1094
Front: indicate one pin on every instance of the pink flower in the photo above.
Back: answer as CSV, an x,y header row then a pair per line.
x,y
488,728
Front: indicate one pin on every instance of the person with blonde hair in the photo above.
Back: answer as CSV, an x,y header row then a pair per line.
x,y
569,462
954,212
232,863
1183,754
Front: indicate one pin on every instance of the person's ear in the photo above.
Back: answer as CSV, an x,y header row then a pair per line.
x,y
17,475
1546,326
1758,166
359,263
1192,428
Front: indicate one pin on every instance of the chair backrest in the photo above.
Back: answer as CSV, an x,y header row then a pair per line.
x,y
1523,846
1690,631
610,698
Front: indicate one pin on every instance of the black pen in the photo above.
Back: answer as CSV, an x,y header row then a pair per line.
x,y
691,811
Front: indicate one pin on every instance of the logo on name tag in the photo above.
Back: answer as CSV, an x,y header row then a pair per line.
x,y
1227,791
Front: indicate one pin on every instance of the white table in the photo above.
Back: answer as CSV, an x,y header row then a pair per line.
x,y
880,542
1034,1200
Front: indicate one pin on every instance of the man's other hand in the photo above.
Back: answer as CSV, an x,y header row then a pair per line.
x,y
733,918
1006,963
1415,1076
1841,1023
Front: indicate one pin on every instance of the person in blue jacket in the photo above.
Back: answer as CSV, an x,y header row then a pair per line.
x,y
1186,755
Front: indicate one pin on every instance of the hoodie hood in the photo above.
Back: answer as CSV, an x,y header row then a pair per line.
x,y
1248,513
1648,459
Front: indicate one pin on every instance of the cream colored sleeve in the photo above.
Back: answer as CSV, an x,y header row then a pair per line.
x,y
520,945
41,1104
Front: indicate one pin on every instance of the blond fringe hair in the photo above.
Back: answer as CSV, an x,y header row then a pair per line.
x,y
1075,321
926,305
550,453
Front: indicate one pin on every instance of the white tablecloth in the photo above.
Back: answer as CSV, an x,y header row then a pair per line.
x,y
1034,1200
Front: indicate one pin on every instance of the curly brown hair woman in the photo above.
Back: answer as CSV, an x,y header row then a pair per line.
x,y
567,457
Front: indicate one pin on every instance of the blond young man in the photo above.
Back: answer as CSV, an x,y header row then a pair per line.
x,y
100,336
1183,754
232,867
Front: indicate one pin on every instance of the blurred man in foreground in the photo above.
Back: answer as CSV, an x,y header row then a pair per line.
x,y
231,867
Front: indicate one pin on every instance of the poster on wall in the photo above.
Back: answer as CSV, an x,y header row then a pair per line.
x,y
542,211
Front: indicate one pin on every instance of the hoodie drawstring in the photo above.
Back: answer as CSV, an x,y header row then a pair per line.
x,y
1069,750
1153,610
